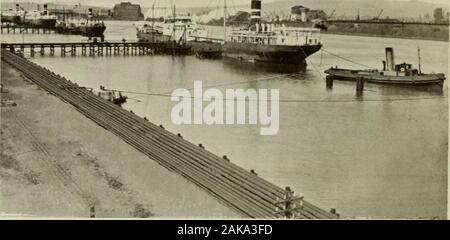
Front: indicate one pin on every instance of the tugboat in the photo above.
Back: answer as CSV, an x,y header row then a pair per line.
x,y
271,43
13,15
42,19
391,74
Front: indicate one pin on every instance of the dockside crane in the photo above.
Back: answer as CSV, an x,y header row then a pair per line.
x,y
332,13
379,14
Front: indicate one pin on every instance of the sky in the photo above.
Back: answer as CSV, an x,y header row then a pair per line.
x,y
181,3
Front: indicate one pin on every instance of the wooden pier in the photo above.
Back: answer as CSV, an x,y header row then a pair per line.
x,y
241,190
88,48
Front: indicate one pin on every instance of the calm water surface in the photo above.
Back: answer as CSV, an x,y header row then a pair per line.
x,y
376,159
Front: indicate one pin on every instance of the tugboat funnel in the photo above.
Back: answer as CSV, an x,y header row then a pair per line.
x,y
390,62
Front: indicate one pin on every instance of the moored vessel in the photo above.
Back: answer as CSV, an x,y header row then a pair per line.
x,y
13,15
174,32
403,74
271,42
88,27
42,19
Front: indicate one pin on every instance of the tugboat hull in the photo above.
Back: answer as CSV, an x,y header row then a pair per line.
x,y
374,76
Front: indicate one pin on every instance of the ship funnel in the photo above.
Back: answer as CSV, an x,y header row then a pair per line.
x,y
255,17
17,7
390,62
45,9
90,14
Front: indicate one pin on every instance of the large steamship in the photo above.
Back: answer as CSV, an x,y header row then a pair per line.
x,y
42,19
271,42
13,15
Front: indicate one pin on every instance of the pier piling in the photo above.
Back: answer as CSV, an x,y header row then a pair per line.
x,y
329,80
359,86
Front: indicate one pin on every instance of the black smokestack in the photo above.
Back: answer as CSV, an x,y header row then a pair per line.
x,y
255,17
390,61
45,9
90,14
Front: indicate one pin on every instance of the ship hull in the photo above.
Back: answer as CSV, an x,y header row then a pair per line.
x,y
153,37
42,23
11,19
92,31
165,44
205,49
274,54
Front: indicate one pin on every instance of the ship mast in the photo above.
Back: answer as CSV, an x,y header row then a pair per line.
x,y
420,67
153,21
224,20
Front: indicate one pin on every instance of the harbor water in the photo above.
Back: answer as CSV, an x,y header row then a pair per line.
x,y
382,155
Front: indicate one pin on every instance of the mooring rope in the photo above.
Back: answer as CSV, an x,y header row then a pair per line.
x,y
296,100
347,59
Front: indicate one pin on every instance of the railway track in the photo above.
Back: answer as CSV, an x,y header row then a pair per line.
x,y
233,186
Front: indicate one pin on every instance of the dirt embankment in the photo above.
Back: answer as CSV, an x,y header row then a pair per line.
x,y
57,163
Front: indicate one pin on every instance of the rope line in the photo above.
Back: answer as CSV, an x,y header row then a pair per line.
x,y
243,82
347,59
295,100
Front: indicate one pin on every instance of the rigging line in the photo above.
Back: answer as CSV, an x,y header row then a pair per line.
x,y
296,100
243,82
346,59
314,66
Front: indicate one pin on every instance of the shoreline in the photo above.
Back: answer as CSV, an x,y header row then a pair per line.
x,y
382,36
233,191
49,170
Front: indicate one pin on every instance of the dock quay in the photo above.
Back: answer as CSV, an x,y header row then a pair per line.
x,y
235,187
24,29
89,48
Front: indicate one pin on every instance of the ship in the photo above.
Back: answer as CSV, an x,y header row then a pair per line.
x,y
42,19
398,74
174,33
13,15
88,28
271,42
